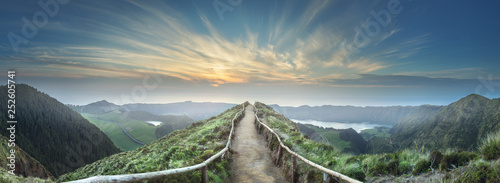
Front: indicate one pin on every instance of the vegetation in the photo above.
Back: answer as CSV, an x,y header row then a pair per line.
x,y
134,123
194,110
490,146
52,133
345,140
7,177
114,132
461,124
25,165
368,134
180,148
381,115
403,165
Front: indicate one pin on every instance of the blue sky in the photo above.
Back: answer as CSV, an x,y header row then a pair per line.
x,y
292,52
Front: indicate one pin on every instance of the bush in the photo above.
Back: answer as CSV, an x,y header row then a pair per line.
x,y
435,158
480,171
421,166
490,146
456,159
354,171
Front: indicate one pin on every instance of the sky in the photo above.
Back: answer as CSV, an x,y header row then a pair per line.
x,y
292,53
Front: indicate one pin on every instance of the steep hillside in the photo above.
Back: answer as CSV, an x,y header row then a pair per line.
x,y
25,165
460,125
179,149
52,133
169,124
346,140
135,124
381,115
404,165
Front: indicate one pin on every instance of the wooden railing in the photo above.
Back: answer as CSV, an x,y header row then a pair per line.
x,y
157,174
319,167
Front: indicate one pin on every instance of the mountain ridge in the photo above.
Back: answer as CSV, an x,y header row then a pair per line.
x,y
52,133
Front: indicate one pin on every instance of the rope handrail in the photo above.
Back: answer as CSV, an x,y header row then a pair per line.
x,y
152,175
319,167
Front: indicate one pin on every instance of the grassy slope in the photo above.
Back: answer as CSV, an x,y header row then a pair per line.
x,y
400,166
6,177
179,149
114,132
333,137
367,134
138,129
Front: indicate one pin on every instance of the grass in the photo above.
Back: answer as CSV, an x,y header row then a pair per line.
x,y
138,129
114,132
6,177
336,141
490,146
383,132
459,166
180,148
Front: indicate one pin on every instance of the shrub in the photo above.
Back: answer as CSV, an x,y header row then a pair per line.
x,y
456,159
354,171
421,166
393,167
435,158
490,146
480,171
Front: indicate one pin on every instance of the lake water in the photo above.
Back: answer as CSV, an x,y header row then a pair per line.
x,y
356,126
156,123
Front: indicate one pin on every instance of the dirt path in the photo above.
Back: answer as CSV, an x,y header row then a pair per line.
x,y
252,159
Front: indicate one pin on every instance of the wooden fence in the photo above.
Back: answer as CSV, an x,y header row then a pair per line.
x,y
319,167
151,175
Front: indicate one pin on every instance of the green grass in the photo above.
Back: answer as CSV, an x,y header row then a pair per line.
x,y
490,146
180,148
459,166
139,129
367,134
336,141
6,177
332,136
114,132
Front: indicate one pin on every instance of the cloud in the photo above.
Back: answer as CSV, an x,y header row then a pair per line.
x,y
120,43
373,80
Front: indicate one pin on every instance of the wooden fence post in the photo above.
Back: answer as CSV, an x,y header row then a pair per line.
x,y
279,155
294,169
204,176
325,177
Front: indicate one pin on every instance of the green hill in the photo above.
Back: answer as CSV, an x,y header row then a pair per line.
x,y
404,165
134,122
346,140
25,165
459,125
181,148
52,133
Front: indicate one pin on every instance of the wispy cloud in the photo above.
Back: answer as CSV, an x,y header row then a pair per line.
x,y
132,44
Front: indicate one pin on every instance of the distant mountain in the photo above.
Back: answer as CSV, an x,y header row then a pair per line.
x,y
381,115
99,107
169,124
194,110
59,138
25,165
459,125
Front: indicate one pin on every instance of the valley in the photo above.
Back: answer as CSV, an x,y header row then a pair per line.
x,y
417,147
